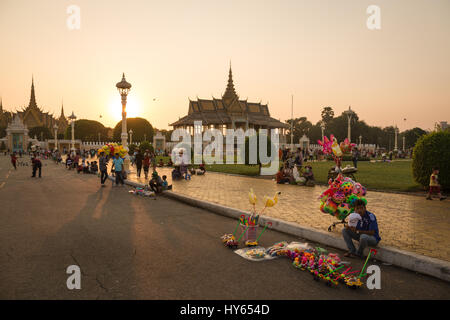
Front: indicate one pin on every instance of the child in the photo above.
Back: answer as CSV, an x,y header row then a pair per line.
x,y
434,185
165,184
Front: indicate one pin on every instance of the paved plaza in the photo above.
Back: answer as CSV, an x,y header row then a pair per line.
x,y
131,247
408,222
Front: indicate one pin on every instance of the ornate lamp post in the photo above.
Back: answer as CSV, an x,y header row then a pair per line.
x,y
395,142
322,126
72,118
124,87
349,114
360,139
55,127
131,136
404,143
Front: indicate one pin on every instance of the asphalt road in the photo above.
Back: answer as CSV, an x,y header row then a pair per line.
x,y
130,247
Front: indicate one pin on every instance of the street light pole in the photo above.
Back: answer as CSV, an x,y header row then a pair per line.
x,y
131,136
72,117
349,114
55,127
395,141
124,87
322,126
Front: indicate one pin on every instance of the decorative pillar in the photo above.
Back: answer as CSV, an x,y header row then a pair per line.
x,y
55,127
395,141
124,87
72,118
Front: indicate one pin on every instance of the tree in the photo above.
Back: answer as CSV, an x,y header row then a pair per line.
x,y
411,136
2,132
37,131
327,115
145,145
87,130
301,126
432,150
3,146
142,129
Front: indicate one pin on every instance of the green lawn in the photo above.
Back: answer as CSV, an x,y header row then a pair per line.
x,y
396,175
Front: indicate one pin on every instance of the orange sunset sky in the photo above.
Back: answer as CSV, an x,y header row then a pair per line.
x,y
320,51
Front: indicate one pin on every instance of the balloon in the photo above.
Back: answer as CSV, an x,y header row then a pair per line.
x,y
336,149
347,188
339,197
330,206
343,210
350,200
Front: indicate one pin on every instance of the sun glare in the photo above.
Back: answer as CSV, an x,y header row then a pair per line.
x,y
133,108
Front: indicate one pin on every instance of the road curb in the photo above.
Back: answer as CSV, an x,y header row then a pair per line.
x,y
407,260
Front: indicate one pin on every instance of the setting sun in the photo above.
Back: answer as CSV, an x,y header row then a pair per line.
x,y
133,107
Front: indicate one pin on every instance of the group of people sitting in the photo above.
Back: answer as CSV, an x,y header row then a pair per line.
x,y
184,171
158,184
72,162
302,175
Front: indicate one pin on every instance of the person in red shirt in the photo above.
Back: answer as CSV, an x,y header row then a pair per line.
x,y
13,160
281,177
146,163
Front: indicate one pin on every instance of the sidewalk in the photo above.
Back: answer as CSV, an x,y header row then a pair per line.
x,y
406,222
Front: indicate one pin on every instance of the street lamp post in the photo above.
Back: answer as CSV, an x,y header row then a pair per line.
x,y
55,127
395,141
124,87
72,118
360,140
349,114
131,136
404,143
322,126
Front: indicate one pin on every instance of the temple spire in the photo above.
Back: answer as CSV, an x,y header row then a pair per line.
x,y
32,103
1,105
230,93
62,110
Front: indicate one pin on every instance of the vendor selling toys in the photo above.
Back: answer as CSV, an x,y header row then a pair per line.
x,y
365,231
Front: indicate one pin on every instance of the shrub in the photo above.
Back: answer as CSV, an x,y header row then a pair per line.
x,y
432,150
145,145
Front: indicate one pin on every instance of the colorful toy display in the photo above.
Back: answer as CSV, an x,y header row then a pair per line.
x,y
339,199
112,149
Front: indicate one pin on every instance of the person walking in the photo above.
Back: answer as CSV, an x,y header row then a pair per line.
x,y
146,163
103,163
36,164
118,169
14,160
355,155
138,160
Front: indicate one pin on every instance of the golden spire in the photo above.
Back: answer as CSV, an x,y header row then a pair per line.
x,y
230,93
32,103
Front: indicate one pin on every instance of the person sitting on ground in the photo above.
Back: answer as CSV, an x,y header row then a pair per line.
x,y
435,187
308,175
366,231
69,162
170,163
192,170
156,183
176,173
86,167
201,169
165,184
281,178
94,167
161,163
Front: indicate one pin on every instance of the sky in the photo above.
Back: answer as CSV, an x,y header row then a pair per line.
x,y
321,52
